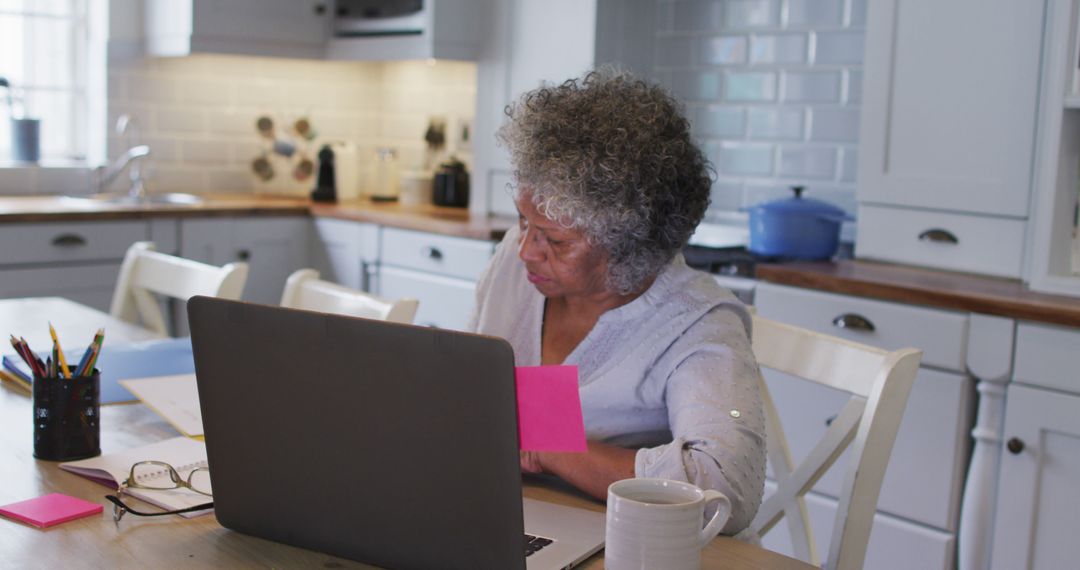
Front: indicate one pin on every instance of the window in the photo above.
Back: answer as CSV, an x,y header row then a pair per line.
x,y
46,55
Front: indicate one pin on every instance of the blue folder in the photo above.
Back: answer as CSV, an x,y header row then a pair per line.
x,y
126,361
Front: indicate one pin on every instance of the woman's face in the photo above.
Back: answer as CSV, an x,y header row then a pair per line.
x,y
559,261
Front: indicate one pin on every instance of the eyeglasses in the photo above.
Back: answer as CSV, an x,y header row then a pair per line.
x,y
148,475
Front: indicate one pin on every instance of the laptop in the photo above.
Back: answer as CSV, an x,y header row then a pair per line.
x,y
389,444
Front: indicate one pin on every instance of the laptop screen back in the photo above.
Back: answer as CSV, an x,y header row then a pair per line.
x,y
385,443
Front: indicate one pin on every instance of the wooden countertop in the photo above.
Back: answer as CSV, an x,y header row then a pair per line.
x,y
430,218
913,285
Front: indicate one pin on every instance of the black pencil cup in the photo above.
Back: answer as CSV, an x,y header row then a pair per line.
x,y
66,417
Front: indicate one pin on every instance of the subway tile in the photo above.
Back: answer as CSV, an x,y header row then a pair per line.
x,y
842,197
751,14
858,14
811,86
163,148
854,86
725,50
776,123
808,162
740,159
208,92
116,86
750,86
245,151
839,48
721,122
696,15
206,151
162,178
780,48
63,181
232,122
693,85
725,196
142,113
148,88
179,119
229,180
849,164
759,192
675,51
815,13
834,125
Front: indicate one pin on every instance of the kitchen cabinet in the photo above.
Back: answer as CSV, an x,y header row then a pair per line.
x,y
947,139
440,271
533,42
282,28
273,247
921,495
1053,263
346,252
77,260
1037,501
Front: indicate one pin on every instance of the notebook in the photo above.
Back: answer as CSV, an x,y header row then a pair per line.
x,y
174,398
182,453
121,361
390,444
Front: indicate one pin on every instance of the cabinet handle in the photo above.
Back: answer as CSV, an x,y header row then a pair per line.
x,y
69,240
431,325
1015,445
320,9
829,420
853,321
938,235
243,255
432,253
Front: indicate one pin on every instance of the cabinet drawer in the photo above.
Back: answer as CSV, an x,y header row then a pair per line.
x,y
894,544
445,255
926,470
941,335
958,242
90,285
70,241
1047,356
445,302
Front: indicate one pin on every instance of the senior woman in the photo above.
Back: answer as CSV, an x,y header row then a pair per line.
x,y
609,189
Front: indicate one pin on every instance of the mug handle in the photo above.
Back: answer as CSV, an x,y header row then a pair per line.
x,y
719,518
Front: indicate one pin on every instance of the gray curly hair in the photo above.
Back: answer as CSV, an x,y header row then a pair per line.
x,y
611,155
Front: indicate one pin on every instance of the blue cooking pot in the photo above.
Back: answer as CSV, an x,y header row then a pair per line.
x,y
797,228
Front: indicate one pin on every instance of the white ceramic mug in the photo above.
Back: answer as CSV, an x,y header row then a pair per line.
x,y
657,523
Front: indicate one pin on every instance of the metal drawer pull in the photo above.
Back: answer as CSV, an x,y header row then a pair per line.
x,y
853,321
938,235
69,240
1015,446
243,254
432,253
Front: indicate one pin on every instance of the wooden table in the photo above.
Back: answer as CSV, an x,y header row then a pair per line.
x,y
168,542
75,324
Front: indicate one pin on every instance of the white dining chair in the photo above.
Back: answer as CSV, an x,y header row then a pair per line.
x,y
878,383
146,273
304,290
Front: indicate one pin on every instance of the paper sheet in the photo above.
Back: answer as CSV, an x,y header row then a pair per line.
x,y
549,409
174,398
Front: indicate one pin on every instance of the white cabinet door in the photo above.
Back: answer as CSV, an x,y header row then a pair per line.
x,y
950,92
341,250
287,28
273,248
91,285
445,302
1038,497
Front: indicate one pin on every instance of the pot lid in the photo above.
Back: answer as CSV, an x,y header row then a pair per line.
x,y
799,205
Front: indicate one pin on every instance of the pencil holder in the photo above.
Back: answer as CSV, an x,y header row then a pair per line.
x,y
66,417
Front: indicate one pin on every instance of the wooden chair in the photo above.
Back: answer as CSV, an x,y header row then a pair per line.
x,y
146,272
878,382
304,290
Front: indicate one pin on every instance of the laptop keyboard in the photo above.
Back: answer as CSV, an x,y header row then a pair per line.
x,y
534,543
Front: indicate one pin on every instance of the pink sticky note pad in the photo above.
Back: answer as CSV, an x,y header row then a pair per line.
x,y
549,409
50,510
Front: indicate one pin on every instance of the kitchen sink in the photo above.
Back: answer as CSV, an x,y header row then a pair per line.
x,y
169,198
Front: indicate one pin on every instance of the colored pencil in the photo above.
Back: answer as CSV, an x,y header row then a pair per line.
x,y
59,353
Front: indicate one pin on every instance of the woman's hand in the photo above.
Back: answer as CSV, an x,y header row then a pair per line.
x,y
530,462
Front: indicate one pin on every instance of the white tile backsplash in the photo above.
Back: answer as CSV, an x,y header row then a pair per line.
x,y
784,108
778,48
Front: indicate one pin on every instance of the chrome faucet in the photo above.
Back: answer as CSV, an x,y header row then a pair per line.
x,y
104,175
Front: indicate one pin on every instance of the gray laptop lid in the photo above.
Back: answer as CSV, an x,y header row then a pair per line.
x,y
384,443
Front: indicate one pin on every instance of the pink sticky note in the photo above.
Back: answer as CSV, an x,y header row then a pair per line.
x,y
50,510
549,409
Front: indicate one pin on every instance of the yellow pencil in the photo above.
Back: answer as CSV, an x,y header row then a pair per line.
x,y
59,352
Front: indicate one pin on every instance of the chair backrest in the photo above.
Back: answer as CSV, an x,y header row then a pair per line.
x,y
304,290
878,382
146,272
